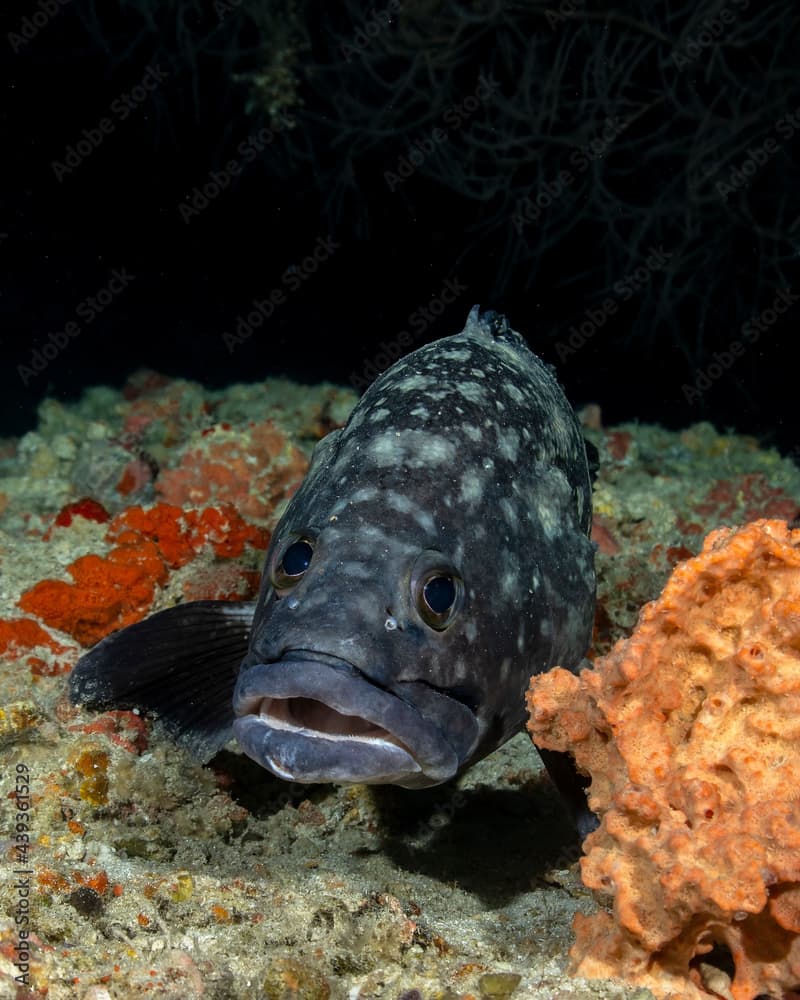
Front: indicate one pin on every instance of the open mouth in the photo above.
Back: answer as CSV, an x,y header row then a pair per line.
x,y
313,718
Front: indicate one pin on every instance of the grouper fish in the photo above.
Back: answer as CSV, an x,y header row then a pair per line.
x,y
434,558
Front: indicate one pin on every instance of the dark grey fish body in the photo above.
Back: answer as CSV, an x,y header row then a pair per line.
x,y
434,558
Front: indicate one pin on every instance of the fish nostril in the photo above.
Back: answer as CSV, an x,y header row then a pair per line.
x,y
391,624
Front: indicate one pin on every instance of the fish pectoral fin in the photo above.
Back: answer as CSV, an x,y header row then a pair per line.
x,y
181,663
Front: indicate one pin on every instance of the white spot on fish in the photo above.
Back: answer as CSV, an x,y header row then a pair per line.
x,y
413,383
508,443
472,391
472,432
471,487
412,447
549,519
373,533
509,513
356,570
403,505
399,502
509,583
365,495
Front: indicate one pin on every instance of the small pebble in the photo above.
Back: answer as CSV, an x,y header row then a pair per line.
x,y
498,985
86,901
18,718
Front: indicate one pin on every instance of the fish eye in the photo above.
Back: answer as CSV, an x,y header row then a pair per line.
x,y
439,594
438,597
293,564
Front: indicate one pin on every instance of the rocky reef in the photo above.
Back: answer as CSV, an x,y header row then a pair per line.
x,y
152,875
689,730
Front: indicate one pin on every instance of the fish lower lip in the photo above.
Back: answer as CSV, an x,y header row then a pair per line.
x,y
313,719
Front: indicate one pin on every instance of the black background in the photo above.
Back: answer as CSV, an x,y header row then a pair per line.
x,y
326,178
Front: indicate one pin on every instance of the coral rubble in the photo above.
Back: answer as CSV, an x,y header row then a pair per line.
x,y
689,730
154,875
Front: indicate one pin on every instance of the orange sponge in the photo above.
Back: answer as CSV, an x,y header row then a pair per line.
x,y
690,731
112,591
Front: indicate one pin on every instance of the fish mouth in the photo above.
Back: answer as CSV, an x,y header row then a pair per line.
x,y
311,717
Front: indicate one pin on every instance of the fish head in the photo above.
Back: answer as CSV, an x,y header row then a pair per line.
x,y
351,675
419,576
